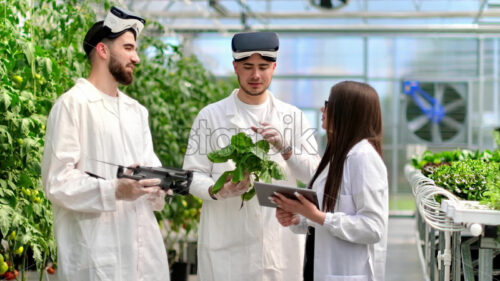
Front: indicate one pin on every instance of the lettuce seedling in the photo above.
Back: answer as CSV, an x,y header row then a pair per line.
x,y
249,158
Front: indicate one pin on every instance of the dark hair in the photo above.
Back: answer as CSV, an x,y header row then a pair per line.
x,y
353,113
99,33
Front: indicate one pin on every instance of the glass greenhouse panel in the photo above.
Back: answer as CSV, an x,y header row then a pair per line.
x,y
381,57
385,89
436,57
316,54
430,5
303,92
214,51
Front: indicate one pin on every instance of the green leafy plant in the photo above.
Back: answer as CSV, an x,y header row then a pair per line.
x,y
492,193
431,159
249,158
471,175
496,136
467,179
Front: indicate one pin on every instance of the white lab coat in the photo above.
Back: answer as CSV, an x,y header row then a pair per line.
x,y
248,243
99,237
351,244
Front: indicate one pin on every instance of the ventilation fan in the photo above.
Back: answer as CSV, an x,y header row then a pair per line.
x,y
435,112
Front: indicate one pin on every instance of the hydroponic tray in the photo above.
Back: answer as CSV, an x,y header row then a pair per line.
x,y
470,212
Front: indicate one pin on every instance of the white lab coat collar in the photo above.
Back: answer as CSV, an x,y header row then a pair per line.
x,y
95,94
277,109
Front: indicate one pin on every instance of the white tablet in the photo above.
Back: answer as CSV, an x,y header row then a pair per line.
x,y
266,190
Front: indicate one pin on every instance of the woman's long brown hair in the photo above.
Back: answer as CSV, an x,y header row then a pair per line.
x,y
352,114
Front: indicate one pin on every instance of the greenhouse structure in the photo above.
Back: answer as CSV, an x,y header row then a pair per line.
x,y
435,65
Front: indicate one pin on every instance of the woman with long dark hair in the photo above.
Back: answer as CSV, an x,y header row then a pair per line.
x,y
347,234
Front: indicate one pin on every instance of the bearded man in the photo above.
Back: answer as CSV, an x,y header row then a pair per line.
x,y
105,227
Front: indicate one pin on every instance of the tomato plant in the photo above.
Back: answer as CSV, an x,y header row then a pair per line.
x,y
41,55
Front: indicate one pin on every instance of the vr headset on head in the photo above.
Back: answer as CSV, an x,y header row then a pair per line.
x,y
246,44
115,24
118,21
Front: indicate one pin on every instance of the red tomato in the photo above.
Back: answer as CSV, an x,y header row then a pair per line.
x,y
9,275
51,270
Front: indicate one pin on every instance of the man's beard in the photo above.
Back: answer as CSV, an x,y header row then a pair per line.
x,y
119,72
249,92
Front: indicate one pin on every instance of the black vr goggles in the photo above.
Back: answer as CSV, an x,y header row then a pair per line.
x,y
264,43
116,23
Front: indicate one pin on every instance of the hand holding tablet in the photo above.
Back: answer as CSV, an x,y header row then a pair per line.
x,y
265,191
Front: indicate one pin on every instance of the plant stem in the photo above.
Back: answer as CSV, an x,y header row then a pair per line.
x,y
23,267
43,264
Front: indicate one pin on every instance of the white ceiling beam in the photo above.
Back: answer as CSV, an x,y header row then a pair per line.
x,y
333,14
462,29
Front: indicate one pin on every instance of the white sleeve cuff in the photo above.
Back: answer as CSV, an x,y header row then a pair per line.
x,y
333,221
108,194
200,185
300,228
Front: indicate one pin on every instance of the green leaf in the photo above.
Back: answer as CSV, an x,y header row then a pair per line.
x,y
248,195
238,173
221,155
5,100
5,212
259,152
37,253
25,181
220,182
5,135
253,163
241,142
25,126
47,66
29,51
264,145
277,172
265,176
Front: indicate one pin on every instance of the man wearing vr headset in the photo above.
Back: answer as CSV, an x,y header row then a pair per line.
x,y
105,227
245,242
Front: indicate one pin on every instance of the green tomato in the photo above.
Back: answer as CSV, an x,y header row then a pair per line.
x,y
12,235
26,192
3,267
20,141
18,79
19,250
